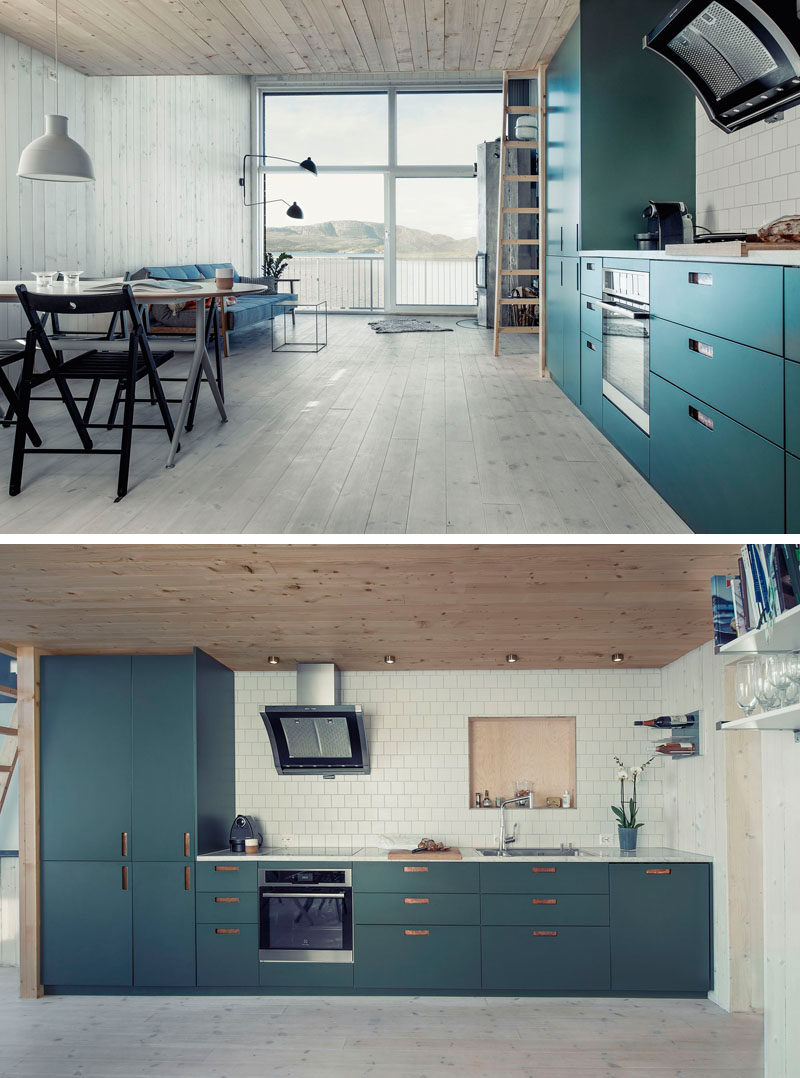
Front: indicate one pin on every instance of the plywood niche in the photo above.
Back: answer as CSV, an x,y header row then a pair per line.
x,y
505,752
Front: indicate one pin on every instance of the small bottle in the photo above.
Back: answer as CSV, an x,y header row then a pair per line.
x,y
566,800
498,802
668,722
487,801
677,748
478,800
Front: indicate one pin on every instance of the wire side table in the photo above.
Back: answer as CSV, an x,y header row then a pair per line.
x,y
320,309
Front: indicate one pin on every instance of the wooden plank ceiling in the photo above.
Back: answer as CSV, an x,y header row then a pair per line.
x,y
292,37
432,606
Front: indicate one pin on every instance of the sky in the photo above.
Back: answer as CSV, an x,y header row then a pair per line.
x,y
351,129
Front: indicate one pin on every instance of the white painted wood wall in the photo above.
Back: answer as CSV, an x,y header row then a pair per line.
x,y
167,156
9,911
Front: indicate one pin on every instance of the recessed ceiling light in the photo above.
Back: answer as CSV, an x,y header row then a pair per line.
x,y
388,659
273,660
618,657
512,658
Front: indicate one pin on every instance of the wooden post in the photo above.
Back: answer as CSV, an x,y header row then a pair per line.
x,y
28,764
541,171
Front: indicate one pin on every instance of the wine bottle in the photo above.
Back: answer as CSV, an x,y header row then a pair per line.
x,y
677,748
486,800
668,722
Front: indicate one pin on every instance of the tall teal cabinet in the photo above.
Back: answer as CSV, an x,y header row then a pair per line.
x,y
128,797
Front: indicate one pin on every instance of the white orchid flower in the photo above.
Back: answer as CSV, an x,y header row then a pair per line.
x,y
622,774
635,772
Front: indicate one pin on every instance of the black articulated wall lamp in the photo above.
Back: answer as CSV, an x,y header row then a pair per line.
x,y
293,210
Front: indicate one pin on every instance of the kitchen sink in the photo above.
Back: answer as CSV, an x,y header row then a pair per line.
x,y
533,851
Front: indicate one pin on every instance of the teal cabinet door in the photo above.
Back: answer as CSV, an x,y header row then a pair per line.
x,y
629,439
544,879
544,909
306,974
223,907
562,151
791,313
592,277
792,384
432,957
718,475
554,321
85,762
544,958
644,959
163,925
792,495
572,329
86,923
416,909
222,877
227,956
413,878
592,379
163,757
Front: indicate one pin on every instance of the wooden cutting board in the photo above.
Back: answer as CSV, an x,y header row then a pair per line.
x,y
453,854
728,248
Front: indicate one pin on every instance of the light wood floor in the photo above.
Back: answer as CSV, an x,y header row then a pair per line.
x,y
418,433
387,1037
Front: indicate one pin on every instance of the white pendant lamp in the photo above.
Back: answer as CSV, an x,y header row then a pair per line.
x,y
54,155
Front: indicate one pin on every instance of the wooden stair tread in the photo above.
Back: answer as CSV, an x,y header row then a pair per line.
x,y
518,301
518,329
520,177
520,144
6,690
520,209
520,273
521,110
9,731
521,243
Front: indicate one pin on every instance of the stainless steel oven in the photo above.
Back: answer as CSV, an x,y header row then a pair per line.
x,y
305,915
626,343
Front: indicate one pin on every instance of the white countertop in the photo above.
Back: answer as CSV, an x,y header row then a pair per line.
x,y
755,258
587,853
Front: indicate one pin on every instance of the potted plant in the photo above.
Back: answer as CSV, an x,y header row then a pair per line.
x,y
627,823
275,267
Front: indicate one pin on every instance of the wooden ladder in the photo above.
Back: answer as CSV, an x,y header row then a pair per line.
x,y
9,741
505,209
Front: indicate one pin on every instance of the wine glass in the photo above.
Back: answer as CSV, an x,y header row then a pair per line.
x,y
745,685
781,676
767,692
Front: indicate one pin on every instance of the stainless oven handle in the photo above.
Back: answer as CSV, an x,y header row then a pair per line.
x,y
303,894
625,312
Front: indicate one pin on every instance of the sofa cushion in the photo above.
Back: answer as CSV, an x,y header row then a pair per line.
x,y
174,273
251,310
207,269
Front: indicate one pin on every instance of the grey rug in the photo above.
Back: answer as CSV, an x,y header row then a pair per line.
x,y
407,325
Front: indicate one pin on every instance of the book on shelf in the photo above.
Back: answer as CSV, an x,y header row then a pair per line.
x,y
722,608
767,584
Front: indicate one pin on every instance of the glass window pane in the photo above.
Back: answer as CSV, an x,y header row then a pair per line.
x,y
436,241
337,249
331,129
444,129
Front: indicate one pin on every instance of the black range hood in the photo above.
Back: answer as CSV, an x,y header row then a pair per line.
x,y
741,57
318,735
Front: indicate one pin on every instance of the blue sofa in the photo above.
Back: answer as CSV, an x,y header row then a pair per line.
x,y
246,312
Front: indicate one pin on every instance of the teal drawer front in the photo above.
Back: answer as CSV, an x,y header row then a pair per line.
x,y
740,303
645,960
416,958
223,907
744,383
227,956
544,879
592,379
415,878
725,479
592,277
542,958
396,908
627,437
591,318
636,265
227,876
792,384
792,495
306,974
537,909
791,324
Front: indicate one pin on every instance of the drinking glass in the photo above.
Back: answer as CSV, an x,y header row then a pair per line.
x,y
745,684
780,667
767,692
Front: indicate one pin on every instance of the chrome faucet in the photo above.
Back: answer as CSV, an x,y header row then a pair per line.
x,y
505,840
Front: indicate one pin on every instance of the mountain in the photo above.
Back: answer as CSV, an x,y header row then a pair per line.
x,y
365,237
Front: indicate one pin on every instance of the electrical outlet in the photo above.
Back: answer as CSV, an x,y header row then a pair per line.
x,y
287,841
604,840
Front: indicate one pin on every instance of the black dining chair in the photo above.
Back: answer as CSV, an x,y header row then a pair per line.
x,y
9,356
125,366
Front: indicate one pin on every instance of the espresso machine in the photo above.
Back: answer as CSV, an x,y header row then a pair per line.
x,y
667,222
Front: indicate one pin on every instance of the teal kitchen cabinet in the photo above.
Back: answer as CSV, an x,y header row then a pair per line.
x,y
742,303
649,953
592,379
522,877
222,906
544,909
792,389
554,317
745,384
717,474
163,924
227,955
592,277
85,757
87,923
792,495
229,875
543,958
435,957
791,308
414,878
562,326
416,908
606,153
310,975
629,439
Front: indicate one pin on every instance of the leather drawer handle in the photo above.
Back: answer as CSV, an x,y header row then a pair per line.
x,y
226,899
657,871
417,932
701,418
187,879
226,868
538,868
227,931
185,843
416,901
124,843
591,346
124,877
590,266
415,868
701,278
701,348
544,901
590,306
540,932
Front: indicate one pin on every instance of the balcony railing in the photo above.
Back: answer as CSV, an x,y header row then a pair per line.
x,y
356,282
